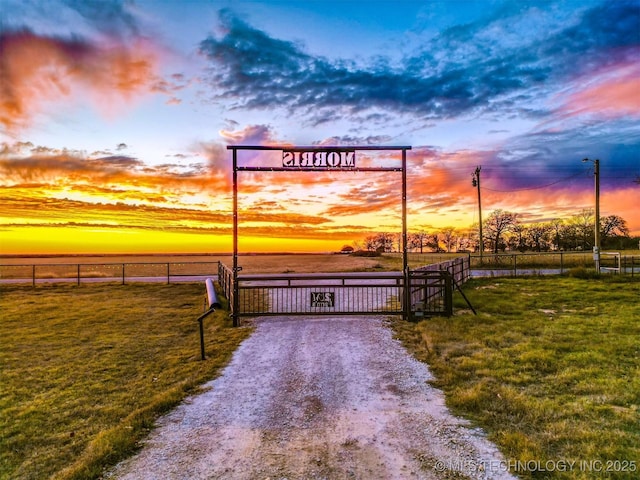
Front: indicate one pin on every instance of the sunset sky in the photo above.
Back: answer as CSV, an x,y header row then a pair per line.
x,y
115,117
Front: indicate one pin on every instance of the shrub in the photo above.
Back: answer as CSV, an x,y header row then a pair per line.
x,y
366,253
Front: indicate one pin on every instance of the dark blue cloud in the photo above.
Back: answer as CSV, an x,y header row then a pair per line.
x,y
108,16
461,71
547,157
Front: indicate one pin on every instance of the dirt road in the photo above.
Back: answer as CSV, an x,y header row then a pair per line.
x,y
317,398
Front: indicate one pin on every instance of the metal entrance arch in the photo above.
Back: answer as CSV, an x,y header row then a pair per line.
x,y
316,159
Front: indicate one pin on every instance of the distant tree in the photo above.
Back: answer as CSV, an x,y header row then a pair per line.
x,y
399,242
556,226
613,227
518,239
370,243
583,223
386,242
538,234
473,235
417,241
448,236
497,224
433,242
466,239
569,238
347,249
380,242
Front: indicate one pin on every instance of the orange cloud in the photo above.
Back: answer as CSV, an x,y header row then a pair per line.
x,y
39,69
611,93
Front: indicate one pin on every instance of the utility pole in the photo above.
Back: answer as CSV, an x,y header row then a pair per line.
x,y
596,247
476,183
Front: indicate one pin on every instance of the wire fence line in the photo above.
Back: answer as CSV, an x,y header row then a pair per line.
x,y
550,263
496,265
122,272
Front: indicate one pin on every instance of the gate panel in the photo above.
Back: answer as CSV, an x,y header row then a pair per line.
x,y
431,293
339,294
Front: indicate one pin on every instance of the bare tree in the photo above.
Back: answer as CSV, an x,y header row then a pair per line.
x,y
497,224
583,223
613,226
380,242
465,239
518,239
417,241
433,242
539,234
370,243
556,225
448,236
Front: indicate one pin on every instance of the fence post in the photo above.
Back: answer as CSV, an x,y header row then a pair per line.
x,y
123,273
515,265
168,276
78,274
448,293
561,263
33,276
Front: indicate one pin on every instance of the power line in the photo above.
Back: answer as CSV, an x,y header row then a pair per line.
x,y
537,187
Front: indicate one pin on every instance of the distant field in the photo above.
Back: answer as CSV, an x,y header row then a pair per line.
x,y
285,263
324,262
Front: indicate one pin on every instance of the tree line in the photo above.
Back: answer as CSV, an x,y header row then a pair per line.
x,y
504,230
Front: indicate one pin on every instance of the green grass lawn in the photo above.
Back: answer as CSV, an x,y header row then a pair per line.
x,y
550,368
85,371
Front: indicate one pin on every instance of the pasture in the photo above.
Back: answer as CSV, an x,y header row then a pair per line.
x,y
86,370
550,367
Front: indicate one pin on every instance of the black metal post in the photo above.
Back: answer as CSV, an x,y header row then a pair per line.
x,y
202,355
235,303
448,293
405,259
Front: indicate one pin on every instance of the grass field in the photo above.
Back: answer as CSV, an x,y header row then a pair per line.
x,y
86,370
550,368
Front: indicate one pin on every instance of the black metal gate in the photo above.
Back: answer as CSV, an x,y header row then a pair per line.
x,y
430,292
320,294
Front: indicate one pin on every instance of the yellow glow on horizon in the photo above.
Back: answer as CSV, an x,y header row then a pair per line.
x,y
40,240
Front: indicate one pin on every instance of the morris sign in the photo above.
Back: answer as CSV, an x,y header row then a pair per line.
x,y
296,159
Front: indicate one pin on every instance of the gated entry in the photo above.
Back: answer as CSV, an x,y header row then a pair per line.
x,y
430,292
314,159
319,294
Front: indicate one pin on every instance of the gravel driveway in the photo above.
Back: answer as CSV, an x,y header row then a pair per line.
x,y
316,398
